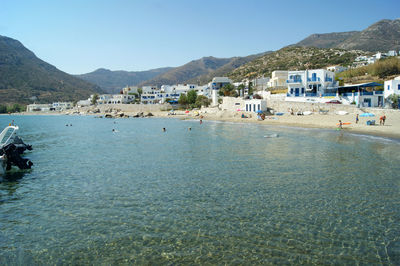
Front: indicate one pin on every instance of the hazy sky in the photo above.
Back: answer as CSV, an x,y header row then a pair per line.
x,y
79,36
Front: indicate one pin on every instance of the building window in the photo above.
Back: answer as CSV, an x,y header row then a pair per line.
x,y
398,87
388,87
259,108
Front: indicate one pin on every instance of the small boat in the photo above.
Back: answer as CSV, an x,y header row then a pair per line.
x,y
11,149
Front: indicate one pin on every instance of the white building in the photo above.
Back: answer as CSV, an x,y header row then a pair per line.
x,y
61,106
150,95
216,84
336,69
311,83
246,105
260,83
115,99
38,107
392,87
130,90
278,79
255,105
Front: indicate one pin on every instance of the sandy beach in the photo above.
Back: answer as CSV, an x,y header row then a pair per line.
x,y
391,129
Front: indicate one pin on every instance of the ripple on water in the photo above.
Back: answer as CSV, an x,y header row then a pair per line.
x,y
221,193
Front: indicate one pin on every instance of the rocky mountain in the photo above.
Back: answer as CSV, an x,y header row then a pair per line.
x,y
114,81
294,58
326,40
381,36
199,71
24,77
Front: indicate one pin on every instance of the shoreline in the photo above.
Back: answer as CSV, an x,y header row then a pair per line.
x,y
390,130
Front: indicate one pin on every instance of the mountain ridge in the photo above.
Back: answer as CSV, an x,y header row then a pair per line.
x,y
383,35
24,77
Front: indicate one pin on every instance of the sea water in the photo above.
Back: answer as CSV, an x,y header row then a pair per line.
x,y
219,193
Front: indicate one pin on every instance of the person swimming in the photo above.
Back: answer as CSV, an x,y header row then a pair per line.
x,y
163,129
189,128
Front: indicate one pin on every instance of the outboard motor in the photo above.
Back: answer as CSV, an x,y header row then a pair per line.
x,y
21,146
13,156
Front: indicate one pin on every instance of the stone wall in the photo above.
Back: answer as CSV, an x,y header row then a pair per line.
x,y
134,108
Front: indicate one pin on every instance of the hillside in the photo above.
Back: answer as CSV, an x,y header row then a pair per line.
x,y
381,36
384,69
114,81
23,76
294,58
326,40
199,71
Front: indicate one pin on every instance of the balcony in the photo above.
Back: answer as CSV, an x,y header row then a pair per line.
x,y
294,81
313,79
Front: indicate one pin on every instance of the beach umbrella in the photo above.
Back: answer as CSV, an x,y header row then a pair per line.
x,y
259,112
187,112
367,115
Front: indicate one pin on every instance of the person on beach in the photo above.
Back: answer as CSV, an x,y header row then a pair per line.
x,y
380,120
383,119
340,124
357,119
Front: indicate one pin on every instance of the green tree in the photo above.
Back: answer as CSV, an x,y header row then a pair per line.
x,y
3,109
95,98
140,91
183,100
202,101
191,97
251,89
228,90
241,89
394,98
15,108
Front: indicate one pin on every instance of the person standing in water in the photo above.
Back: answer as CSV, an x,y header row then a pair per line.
x,y
357,119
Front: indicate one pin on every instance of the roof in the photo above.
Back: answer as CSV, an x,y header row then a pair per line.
x,y
362,85
221,80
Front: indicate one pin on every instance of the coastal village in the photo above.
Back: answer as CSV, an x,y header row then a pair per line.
x,y
285,93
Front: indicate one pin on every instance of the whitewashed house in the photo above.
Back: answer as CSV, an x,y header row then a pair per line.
x,y
392,87
311,83
61,106
255,105
150,95
278,79
38,107
115,99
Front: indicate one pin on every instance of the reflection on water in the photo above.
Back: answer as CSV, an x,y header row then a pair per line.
x,y
220,193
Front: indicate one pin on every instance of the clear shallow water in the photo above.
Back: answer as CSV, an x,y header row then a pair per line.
x,y
221,193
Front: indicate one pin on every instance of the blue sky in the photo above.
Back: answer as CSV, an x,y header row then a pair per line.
x,y
79,36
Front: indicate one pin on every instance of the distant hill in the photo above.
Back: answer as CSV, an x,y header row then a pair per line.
x,y
294,58
199,71
381,36
23,76
114,81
